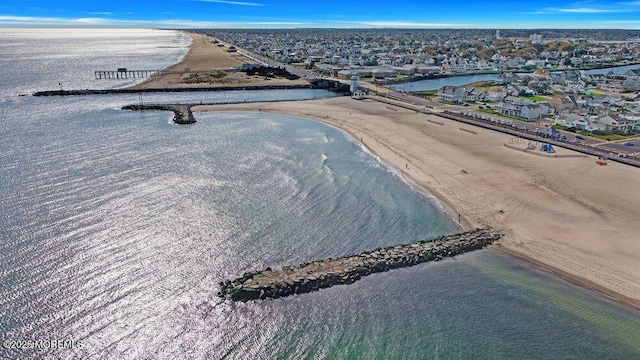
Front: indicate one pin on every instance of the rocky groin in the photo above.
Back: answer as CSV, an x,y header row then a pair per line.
x,y
182,113
320,274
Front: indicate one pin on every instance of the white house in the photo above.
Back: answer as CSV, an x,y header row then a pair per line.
x,y
572,121
521,108
496,94
594,125
453,94
459,94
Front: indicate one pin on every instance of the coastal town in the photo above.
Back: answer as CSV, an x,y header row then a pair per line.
x,y
388,53
573,82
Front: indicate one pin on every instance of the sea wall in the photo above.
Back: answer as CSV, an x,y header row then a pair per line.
x,y
320,274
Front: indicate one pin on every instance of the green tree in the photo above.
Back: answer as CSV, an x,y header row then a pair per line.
x,y
565,46
486,53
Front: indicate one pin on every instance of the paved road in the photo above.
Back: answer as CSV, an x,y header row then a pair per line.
x,y
303,73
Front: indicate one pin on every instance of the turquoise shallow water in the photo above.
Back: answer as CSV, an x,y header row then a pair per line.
x,y
117,227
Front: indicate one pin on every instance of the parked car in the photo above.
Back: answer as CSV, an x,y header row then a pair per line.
x,y
579,137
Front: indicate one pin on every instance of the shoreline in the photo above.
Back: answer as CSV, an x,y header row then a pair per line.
x,y
520,240
547,243
434,199
449,209
586,284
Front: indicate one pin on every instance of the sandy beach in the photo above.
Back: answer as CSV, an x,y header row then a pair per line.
x,y
205,57
566,214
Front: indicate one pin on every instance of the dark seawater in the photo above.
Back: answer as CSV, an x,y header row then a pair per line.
x,y
116,227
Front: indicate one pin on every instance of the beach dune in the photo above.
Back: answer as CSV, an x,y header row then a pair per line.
x,y
566,214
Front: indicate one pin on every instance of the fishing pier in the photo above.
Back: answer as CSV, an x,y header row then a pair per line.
x,y
123,73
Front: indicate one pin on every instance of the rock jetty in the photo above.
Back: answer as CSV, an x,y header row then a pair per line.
x,y
319,84
182,113
321,274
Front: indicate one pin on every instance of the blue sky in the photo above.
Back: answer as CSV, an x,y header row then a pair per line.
x,y
327,13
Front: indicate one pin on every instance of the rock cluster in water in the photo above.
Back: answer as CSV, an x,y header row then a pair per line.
x,y
182,113
321,274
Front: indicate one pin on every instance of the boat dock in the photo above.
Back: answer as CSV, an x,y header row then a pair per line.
x,y
320,274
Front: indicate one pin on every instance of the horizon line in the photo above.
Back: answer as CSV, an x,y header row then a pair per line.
x,y
9,21
293,27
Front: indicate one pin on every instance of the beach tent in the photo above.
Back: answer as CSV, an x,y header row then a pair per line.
x,y
548,148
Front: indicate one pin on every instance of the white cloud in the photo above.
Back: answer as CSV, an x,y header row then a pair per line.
x,y
31,21
26,19
241,3
408,24
584,10
590,7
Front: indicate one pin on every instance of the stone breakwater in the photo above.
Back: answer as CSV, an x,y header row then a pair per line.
x,y
181,113
320,274
322,84
169,89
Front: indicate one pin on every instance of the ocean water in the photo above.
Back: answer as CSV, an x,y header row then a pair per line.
x,y
116,227
50,59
